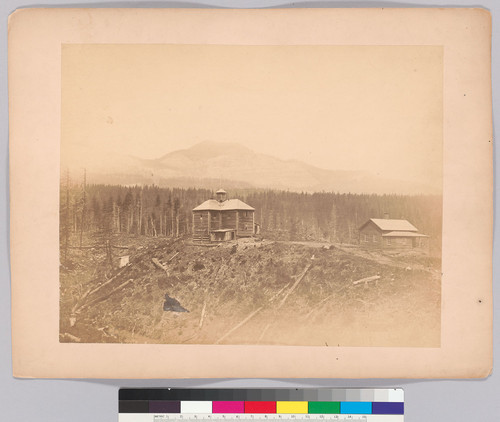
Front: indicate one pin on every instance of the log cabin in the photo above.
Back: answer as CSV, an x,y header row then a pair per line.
x,y
222,219
386,233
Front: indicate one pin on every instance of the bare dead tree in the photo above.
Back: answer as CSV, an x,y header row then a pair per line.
x,y
84,205
66,225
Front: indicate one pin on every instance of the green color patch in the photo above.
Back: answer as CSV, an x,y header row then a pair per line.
x,y
324,407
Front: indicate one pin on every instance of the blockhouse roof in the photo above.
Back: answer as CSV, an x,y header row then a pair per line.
x,y
228,205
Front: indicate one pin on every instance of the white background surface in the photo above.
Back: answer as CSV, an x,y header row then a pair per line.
x,y
97,400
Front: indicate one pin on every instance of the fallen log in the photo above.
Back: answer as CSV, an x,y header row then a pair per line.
x,y
318,305
89,292
294,285
192,337
101,298
159,265
106,333
202,313
248,318
71,337
263,333
279,292
366,280
173,256
106,283
97,247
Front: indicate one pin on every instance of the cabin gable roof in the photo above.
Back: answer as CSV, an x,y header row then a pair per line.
x,y
403,234
391,225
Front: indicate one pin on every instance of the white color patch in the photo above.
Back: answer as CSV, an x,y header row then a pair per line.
x,y
396,395
196,407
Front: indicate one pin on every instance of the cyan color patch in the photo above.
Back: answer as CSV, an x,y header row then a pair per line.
x,y
356,407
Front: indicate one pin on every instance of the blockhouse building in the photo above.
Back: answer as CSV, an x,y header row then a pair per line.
x,y
222,219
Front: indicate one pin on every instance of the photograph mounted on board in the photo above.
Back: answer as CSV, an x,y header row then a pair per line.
x,y
251,195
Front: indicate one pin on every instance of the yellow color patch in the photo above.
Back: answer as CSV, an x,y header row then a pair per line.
x,y
292,406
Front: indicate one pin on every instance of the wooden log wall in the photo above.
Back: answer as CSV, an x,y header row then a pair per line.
x,y
229,220
215,220
370,236
397,243
201,226
245,223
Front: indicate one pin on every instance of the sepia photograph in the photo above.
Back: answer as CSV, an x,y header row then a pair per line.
x,y
251,195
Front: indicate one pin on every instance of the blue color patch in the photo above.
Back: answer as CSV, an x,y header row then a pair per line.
x,y
356,407
388,408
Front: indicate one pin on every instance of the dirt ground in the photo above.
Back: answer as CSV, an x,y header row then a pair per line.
x,y
251,291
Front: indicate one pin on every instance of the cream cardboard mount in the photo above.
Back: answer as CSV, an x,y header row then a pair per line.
x,y
454,45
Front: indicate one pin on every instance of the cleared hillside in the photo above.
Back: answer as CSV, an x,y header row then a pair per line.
x,y
251,292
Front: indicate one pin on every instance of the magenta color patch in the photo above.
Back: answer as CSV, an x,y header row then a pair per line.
x,y
228,407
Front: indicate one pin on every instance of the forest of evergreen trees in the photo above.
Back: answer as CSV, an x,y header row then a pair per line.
x,y
103,210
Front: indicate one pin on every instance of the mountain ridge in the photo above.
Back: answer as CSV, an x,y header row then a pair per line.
x,y
241,167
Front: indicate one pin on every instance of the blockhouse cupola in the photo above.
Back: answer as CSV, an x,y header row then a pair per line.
x,y
221,195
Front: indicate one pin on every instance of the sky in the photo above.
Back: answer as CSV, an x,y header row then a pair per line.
x,y
371,108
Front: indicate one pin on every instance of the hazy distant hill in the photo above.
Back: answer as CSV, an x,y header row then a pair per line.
x,y
215,164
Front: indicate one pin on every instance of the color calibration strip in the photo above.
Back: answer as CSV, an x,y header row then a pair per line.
x,y
150,405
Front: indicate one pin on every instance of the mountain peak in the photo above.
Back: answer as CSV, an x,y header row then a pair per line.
x,y
215,148
210,149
